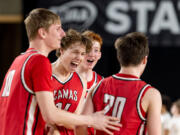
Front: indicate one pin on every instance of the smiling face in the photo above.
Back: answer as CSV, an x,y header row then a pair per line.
x,y
92,57
72,56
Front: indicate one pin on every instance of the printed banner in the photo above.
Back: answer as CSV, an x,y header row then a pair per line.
x,y
158,19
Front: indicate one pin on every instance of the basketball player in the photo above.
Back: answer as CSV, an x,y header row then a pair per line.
x,y
69,87
86,67
26,97
90,60
125,95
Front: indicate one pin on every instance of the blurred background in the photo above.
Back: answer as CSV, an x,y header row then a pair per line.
x,y
158,19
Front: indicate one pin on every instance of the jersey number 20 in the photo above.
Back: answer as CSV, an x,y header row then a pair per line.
x,y
117,102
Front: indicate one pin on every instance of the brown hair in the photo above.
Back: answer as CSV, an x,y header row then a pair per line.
x,y
132,48
39,18
93,36
73,36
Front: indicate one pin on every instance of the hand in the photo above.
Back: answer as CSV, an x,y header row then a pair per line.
x,y
105,123
52,130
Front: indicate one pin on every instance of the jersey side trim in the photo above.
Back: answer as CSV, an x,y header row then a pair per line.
x,y
30,120
80,80
95,81
25,119
22,75
36,121
141,129
96,88
138,102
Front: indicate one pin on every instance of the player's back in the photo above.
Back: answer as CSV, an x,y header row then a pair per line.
x,y
120,96
19,111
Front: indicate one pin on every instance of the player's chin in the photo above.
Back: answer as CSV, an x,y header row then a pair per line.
x,y
56,46
73,69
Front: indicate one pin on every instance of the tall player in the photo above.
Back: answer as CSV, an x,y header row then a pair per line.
x,y
125,95
26,97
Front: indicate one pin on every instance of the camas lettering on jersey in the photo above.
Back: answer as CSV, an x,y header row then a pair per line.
x,y
65,94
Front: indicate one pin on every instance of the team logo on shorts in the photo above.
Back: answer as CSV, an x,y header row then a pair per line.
x,y
79,15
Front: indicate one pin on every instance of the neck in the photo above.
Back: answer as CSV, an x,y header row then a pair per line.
x,y
40,47
86,73
136,71
59,70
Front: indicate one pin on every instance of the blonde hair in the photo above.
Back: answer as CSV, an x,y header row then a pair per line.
x,y
39,18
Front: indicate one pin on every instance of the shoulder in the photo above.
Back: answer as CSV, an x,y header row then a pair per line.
x,y
39,60
82,79
40,57
153,97
99,77
79,76
153,92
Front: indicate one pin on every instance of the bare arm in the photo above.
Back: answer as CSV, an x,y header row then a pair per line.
x,y
154,104
82,101
52,115
89,109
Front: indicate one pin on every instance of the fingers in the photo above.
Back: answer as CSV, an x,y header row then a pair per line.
x,y
113,127
113,118
108,131
114,123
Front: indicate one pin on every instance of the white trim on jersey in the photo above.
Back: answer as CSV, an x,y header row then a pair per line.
x,y
22,74
63,82
80,79
95,89
124,78
141,129
139,104
94,83
29,51
31,114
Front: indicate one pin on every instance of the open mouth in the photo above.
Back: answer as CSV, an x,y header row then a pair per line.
x,y
90,61
74,64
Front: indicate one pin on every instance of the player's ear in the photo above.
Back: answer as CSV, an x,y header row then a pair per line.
x,y
144,61
61,50
42,32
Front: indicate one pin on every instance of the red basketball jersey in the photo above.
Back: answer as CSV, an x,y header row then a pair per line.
x,y
120,96
19,113
96,78
67,95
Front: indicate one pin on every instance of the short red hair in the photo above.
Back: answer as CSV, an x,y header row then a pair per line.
x,y
93,36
